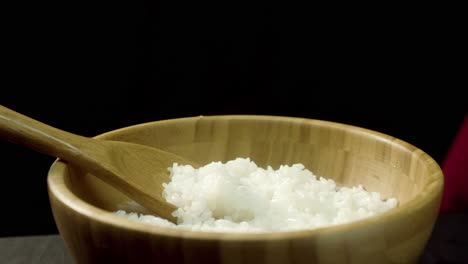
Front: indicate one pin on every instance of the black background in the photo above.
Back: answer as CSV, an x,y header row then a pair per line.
x,y
90,67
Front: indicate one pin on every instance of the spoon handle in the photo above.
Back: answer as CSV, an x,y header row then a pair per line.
x,y
36,135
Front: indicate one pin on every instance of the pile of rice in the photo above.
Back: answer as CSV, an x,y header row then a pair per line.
x,y
240,196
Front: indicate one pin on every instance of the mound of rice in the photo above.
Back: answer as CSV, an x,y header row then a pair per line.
x,y
240,196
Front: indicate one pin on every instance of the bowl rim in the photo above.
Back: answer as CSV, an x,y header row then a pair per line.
x,y
432,190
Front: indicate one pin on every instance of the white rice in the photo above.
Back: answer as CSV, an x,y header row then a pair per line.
x,y
240,196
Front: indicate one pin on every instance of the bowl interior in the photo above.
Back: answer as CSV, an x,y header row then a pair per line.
x,y
347,154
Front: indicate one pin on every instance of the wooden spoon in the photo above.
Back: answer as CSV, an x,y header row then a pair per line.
x,y
136,170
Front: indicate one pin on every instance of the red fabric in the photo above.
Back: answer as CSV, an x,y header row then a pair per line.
x,y
455,169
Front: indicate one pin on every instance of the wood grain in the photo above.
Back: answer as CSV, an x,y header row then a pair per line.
x,y
134,169
82,204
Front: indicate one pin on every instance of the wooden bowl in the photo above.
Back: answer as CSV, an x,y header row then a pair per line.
x,y
82,205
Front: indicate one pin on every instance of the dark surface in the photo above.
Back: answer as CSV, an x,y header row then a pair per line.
x,y
449,240
43,249
448,244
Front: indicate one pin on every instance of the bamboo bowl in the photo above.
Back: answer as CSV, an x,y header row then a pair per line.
x,y
82,205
